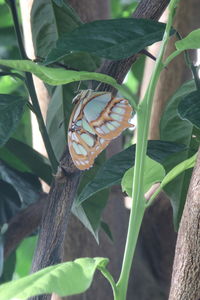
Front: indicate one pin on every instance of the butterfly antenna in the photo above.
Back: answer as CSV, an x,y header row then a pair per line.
x,y
78,87
97,88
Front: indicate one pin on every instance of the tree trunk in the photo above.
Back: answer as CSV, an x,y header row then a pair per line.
x,y
186,270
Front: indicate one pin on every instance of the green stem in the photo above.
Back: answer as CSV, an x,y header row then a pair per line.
x,y
31,89
138,201
109,277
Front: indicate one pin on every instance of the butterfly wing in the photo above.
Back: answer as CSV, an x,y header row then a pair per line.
x,y
108,116
84,147
84,144
97,118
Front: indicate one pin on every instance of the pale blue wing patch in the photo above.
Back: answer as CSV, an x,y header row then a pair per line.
x,y
116,117
105,129
96,106
110,126
79,149
87,127
115,123
118,110
88,139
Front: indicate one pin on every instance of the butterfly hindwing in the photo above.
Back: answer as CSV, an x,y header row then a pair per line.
x,y
97,118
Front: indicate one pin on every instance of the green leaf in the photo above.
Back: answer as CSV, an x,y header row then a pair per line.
x,y
112,39
11,110
90,212
191,41
1,254
45,31
154,172
186,164
8,268
64,279
55,122
113,170
24,256
56,76
189,108
174,129
5,17
177,170
24,158
17,191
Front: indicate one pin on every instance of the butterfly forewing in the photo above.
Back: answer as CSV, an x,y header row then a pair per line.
x,y
113,119
97,118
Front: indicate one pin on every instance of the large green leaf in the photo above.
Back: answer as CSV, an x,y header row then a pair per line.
x,y
113,170
189,108
24,158
89,213
17,191
55,122
191,41
11,110
56,76
65,279
112,39
45,31
174,129
153,173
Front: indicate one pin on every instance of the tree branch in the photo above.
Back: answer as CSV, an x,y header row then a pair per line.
x,y
186,270
23,224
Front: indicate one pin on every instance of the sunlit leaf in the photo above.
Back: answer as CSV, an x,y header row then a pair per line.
x,y
24,256
191,41
153,173
56,76
65,279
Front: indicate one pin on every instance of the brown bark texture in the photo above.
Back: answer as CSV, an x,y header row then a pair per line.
x,y
186,270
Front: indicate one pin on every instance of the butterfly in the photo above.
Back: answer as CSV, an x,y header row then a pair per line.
x,y
96,119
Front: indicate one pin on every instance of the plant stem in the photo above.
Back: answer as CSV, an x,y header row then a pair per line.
x,y
109,277
31,89
138,200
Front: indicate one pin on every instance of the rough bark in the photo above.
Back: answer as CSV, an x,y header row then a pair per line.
x,y
54,223
186,270
90,10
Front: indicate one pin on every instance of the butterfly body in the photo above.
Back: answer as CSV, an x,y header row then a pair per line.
x,y
97,118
